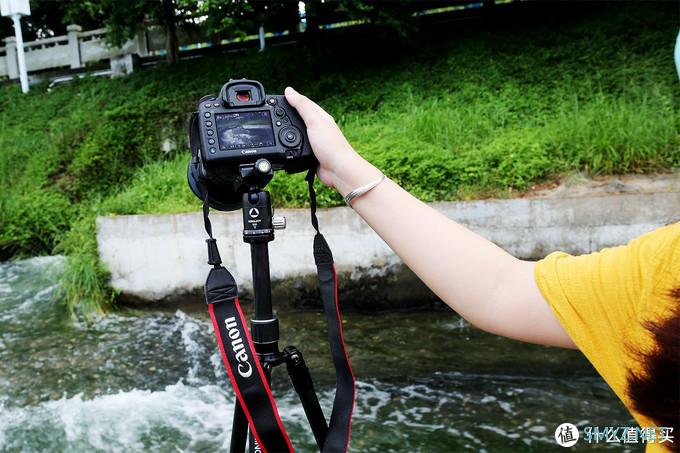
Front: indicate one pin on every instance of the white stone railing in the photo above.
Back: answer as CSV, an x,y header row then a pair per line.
x,y
74,50
3,61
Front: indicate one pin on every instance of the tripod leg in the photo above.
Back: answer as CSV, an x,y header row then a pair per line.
x,y
239,430
302,382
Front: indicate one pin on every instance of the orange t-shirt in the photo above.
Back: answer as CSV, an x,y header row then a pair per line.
x,y
602,299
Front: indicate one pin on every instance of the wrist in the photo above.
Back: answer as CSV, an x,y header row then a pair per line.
x,y
354,171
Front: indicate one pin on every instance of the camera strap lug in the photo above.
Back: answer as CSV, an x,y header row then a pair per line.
x,y
214,258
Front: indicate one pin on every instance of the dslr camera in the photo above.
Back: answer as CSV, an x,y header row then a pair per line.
x,y
239,138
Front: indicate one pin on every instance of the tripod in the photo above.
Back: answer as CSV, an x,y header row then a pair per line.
x,y
258,231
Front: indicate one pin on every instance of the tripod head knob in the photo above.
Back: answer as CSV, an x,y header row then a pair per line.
x,y
279,223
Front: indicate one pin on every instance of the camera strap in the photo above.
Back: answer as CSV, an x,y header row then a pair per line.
x,y
240,358
345,388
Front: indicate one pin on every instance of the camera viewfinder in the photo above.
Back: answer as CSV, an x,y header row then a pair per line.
x,y
242,93
243,96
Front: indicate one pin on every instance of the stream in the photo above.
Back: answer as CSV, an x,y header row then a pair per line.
x,y
152,380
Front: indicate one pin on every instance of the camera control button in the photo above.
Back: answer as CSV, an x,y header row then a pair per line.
x,y
212,150
290,137
208,123
211,141
271,101
207,105
210,132
278,123
279,112
207,114
216,104
285,119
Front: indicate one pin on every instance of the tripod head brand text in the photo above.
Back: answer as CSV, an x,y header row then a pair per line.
x,y
245,369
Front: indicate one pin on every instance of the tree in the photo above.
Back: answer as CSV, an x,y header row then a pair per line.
x,y
323,12
171,41
222,18
388,17
125,18
239,18
219,19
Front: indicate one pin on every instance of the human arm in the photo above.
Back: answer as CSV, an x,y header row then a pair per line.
x,y
483,283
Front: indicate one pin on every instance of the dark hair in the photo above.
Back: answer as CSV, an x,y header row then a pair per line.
x,y
654,392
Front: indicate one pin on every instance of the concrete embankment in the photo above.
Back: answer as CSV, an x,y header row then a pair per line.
x,y
162,258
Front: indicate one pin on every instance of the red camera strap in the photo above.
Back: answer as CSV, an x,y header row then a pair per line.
x,y
240,359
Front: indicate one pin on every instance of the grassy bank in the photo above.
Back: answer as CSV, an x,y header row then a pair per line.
x,y
462,111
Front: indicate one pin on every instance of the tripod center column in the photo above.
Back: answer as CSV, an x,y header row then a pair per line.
x,y
258,232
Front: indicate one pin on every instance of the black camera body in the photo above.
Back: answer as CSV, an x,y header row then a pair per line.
x,y
231,132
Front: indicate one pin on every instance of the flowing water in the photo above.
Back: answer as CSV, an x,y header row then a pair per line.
x,y
154,381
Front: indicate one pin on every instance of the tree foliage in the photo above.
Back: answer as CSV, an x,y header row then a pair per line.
x,y
234,18
388,17
216,18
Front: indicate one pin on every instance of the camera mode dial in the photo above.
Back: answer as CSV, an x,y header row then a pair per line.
x,y
290,137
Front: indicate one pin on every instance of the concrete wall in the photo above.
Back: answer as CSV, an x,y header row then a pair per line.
x,y
163,257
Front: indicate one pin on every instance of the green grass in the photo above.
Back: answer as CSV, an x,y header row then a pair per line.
x,y
472,111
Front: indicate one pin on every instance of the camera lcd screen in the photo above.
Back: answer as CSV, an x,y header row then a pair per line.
x,y
244,130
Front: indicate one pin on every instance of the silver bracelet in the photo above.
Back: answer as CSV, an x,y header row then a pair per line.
x,y
359,191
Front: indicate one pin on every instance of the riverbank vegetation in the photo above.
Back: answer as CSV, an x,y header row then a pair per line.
x,y
465,110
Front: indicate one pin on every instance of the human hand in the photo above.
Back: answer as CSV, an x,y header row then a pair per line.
x,y
340,167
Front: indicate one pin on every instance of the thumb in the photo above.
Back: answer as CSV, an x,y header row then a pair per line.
x,y
307,109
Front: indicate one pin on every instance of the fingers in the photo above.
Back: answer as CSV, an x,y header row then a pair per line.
x,y
308,109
